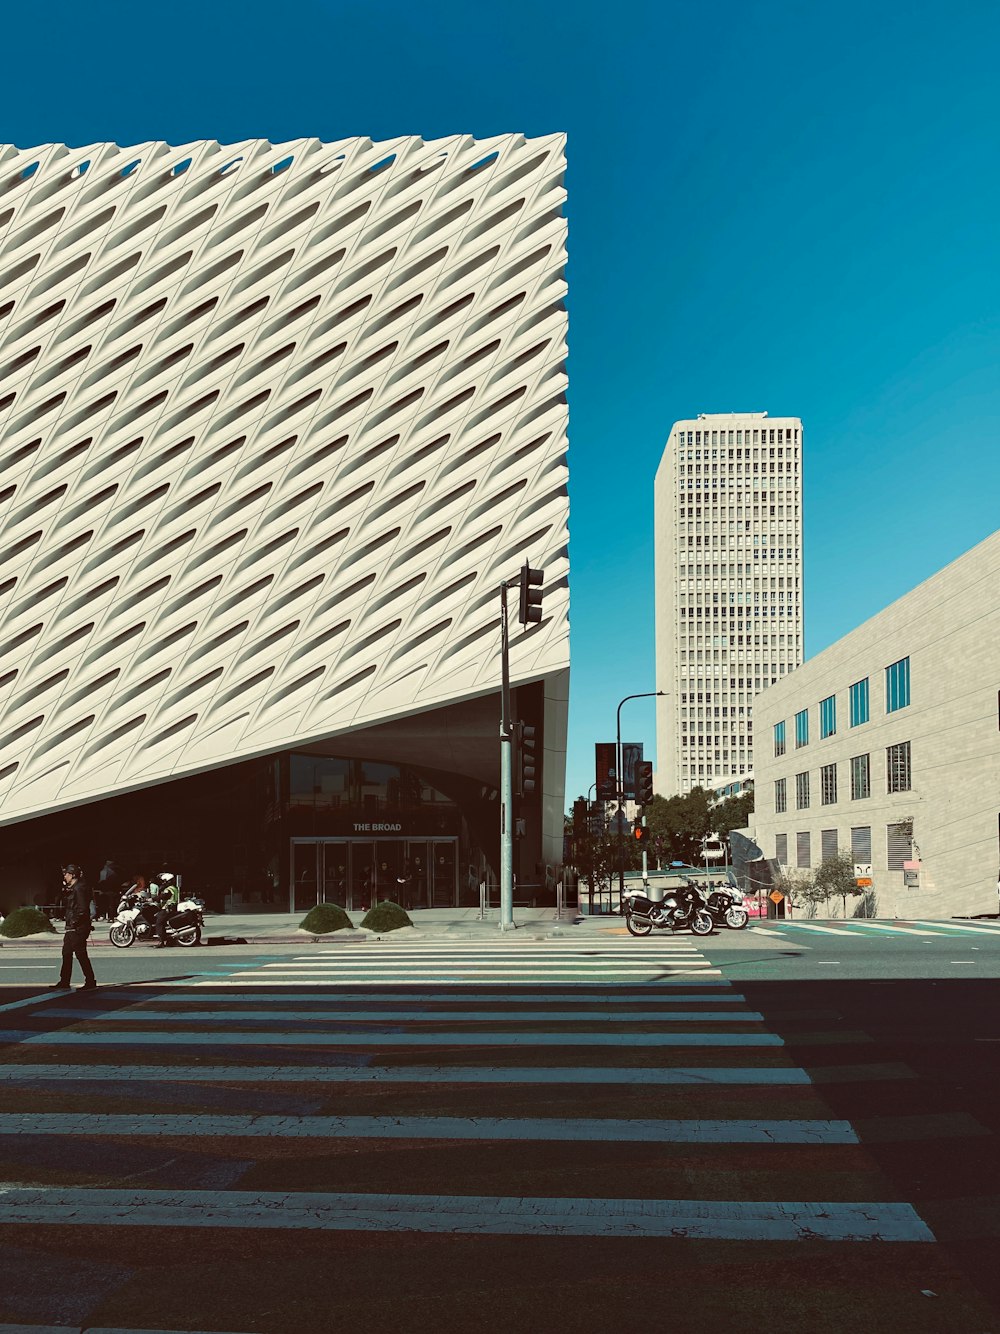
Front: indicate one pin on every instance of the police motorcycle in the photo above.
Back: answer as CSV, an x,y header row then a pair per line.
x,y
680,909
725,904
137,911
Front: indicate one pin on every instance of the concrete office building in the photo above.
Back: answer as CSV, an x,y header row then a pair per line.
x,y
728,532
887,745
276,420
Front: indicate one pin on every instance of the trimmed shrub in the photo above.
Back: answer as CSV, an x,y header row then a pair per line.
x,y
25,922
385,916
324,918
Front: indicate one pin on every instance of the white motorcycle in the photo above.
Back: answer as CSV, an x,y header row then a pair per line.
x,y
136,920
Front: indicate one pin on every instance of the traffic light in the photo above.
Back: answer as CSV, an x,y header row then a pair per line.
x,y
640,833
527,761
580,818
530,608
644,782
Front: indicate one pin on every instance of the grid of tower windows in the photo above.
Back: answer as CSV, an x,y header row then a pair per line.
x,y
738,615
858,697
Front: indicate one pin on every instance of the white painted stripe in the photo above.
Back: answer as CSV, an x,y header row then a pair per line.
x,y
961,927
496,1216
577,966
811,926
553,1129
31,1000
407,1016
646,999
636,986
375,1038
769,932
894,930
410,1074
456,981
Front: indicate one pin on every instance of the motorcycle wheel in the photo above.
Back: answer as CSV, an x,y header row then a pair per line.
x,y
737,918
122,935
637,927
188,935
701,924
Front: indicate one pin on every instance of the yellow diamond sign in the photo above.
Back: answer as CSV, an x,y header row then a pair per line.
x,y
775,896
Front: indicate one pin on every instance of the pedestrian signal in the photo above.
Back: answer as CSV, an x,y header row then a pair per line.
x,y
640,833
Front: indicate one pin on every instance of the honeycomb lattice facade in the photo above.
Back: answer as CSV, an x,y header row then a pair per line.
x,y
275,422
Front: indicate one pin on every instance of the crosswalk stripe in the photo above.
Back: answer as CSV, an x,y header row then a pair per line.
x,y
406,1016
250,995
375,1037
250,982
895,930
962,927
518,1216
812,926
705,1076
555,1129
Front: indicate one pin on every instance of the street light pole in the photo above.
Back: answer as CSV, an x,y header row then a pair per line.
x,y
645,694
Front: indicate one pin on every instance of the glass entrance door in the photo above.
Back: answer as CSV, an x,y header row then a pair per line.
x,y
305,878
444,893
335,873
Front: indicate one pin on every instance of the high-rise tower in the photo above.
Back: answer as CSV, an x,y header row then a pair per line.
x,y
728,519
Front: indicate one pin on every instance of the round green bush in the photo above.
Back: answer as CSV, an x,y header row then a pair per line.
x,y
324,918
25,922
385,916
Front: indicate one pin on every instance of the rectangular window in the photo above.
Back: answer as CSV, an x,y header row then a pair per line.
x,y
898,845
780,796
801,791
802,854
897,685
861,777
897,767
828,844
828,716
828,784
802,729
859,702
779,736
781,849
861,845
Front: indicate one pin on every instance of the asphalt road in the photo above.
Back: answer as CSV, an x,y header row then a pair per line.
x,y
757,1131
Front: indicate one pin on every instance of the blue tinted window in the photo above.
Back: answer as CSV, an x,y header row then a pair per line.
x,y
828,716
779,738
859,702
802,728
897,685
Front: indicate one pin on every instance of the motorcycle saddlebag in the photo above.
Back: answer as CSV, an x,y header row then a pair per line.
x,y
187,918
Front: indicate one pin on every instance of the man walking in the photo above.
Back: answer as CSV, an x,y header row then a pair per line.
x,y
76,905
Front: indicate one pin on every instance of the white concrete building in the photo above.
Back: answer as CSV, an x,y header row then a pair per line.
x,y
275,422
887,745
728,532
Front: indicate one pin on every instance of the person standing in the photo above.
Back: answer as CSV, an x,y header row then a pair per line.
x,y
76,907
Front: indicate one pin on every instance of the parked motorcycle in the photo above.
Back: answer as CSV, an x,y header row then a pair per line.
x,y
679,910
726,907
136,920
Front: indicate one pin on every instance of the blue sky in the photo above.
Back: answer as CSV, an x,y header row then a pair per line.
x,y
774,206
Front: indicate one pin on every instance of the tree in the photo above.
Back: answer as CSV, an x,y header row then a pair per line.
x,y
836,876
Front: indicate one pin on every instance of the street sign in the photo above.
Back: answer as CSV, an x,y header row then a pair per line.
x,y
775,896
863,871
863,882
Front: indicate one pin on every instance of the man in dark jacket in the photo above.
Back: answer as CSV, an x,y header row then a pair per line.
x,y
76,904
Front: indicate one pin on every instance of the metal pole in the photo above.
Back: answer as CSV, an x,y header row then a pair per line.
x,y
506,779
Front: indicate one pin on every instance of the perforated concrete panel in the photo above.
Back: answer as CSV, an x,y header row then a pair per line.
x,y
275,421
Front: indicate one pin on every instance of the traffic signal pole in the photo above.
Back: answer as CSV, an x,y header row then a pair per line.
x,y
506,776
